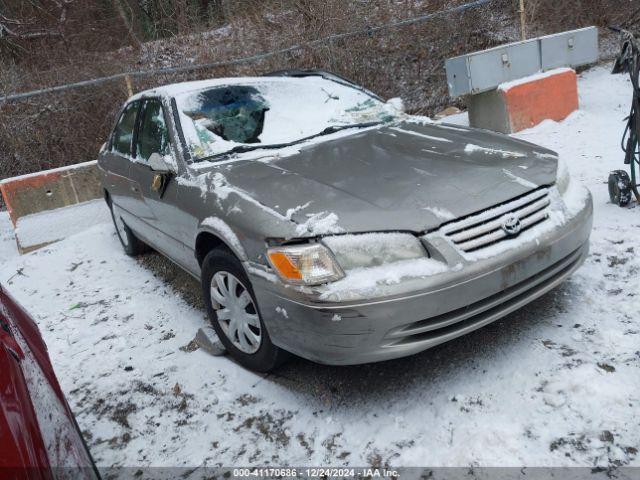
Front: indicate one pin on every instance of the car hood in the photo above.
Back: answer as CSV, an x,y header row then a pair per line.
x,y
407,176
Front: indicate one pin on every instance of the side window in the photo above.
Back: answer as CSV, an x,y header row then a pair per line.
x,y
123,134
152,135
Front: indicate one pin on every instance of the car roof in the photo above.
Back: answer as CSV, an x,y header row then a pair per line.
x,y
174,89
282,76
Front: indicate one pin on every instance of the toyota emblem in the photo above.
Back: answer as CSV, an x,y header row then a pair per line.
x,y
511,225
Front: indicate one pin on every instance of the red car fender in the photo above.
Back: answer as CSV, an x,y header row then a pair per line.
x,y
39,437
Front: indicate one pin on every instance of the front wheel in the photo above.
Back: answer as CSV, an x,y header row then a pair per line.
x,y
234,313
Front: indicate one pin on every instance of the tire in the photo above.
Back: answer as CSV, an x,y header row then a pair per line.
x,y
130,243
619,188
261,356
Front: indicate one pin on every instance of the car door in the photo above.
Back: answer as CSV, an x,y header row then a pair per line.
x,y
116,158
158,205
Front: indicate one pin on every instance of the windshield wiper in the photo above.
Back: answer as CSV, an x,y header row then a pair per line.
x,y
242,149
337,128
259,146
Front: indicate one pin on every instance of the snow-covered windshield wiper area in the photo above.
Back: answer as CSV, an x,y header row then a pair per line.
x,y
258,113
337,128
250,148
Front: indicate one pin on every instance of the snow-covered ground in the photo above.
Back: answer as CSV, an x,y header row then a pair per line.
x,y
8,247
554,384
52,225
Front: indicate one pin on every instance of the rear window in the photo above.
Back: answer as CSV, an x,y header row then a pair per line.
x,y
123,133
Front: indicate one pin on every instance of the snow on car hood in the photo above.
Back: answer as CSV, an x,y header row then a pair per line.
x,y
409,177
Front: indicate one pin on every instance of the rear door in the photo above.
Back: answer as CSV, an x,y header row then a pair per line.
x,y
117,158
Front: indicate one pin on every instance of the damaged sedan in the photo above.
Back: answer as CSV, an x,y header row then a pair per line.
x,y
327,223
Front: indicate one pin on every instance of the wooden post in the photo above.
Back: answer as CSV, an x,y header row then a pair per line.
x,y
127,80
523,21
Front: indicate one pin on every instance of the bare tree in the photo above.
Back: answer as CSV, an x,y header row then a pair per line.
x,y
54,42
127,22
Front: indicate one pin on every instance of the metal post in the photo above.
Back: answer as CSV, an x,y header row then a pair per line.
x,y
127,80
523,21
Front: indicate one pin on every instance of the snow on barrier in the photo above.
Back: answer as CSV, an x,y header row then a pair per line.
x,y
50,205
524,103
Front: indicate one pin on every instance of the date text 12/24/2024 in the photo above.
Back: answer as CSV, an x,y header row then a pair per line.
x,y
316,472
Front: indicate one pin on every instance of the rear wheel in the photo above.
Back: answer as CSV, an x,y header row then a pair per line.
x,y
234,313
620,188
130,243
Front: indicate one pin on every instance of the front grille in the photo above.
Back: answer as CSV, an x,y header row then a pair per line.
x,y
486,228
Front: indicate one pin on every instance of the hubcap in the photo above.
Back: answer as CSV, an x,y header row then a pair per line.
x,y
236,312
122,232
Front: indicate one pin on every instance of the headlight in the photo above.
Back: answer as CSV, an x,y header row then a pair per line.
x,y
310,264
373,249
563,177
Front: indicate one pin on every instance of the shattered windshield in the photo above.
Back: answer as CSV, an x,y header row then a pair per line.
x,y
272,111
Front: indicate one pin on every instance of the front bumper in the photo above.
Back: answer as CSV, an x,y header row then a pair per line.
x,y
424,312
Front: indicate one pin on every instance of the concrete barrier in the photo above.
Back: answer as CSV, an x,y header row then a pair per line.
x,y
522,104
28,197
50,189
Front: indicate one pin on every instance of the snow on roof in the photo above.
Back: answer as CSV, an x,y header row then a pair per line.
x,y
174,89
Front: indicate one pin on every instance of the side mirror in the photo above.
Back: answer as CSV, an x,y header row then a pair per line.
x,y
159,164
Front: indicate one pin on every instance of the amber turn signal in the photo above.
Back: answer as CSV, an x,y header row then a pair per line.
x,y
284,266
307,264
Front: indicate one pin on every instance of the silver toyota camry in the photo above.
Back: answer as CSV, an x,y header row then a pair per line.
x,y
325,222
